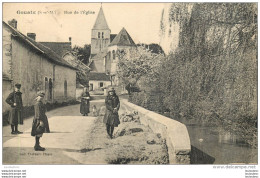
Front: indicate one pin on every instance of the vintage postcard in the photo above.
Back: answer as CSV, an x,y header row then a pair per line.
x,y
130,83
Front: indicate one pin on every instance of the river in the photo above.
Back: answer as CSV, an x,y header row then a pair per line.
x,y
211,145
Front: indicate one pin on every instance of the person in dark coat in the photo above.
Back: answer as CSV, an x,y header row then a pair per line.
x,y
111,118
15,115
84,105
38,126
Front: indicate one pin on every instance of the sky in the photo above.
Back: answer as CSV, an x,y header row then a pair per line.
x,y
141,20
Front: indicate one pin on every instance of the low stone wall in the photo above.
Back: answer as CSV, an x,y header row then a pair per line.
x,y
174,132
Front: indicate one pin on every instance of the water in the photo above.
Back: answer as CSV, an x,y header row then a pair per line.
x,y
211,145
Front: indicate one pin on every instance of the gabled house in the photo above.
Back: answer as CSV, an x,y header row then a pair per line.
x,y
36,67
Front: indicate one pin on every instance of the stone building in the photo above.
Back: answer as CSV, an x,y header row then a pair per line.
x,y
122,42
36,67
105,48
6,88
98,81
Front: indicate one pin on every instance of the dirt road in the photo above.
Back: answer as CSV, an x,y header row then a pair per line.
x,y
76,139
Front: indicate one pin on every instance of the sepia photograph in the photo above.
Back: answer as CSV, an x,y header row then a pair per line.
x,y
130,83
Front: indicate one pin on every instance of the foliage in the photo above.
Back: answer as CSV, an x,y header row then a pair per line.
x,y
153,47
137,64
83,54
212,76
82,59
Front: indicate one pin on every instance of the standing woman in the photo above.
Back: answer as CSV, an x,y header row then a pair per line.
x,y
84,105
111,118
38,126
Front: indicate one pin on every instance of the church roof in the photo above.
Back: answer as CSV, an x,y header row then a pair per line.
x,y
123,39
101,22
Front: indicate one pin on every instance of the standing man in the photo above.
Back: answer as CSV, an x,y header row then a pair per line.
x,y
15,115
111,118
84,105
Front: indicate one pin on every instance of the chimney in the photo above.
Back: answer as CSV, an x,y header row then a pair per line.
x,y
13,23
32,36
69,39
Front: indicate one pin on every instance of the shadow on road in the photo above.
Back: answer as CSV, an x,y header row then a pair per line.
x,y
200,157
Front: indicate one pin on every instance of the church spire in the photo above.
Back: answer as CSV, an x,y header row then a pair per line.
x,y
101,23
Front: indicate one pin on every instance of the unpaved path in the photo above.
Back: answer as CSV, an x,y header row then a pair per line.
x,y
75,139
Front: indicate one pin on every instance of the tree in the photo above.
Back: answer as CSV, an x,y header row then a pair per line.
x,y
212,76
135,64
153,47
83,54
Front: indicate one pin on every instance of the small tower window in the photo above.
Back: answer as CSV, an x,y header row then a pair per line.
x,y
98,34
109,55
114,54
102,34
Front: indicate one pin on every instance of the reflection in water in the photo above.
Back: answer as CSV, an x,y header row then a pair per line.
x,y
212,145
199,157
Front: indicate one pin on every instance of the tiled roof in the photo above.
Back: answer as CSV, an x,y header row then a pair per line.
x,y
123,39
99,76
45,51
59,48
101,22
112,37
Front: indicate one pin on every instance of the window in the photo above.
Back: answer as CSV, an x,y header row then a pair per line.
x,y
50,88
109,55
98,34
65,88
45,84
102,34
91,87
101,84
114,54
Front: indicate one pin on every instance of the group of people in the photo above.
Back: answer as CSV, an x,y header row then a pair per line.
x,y
40,123
111,117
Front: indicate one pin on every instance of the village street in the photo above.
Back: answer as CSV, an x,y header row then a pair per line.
x,y
68,139
76,139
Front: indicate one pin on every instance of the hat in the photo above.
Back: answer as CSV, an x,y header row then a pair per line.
x,y
18,85
40,93
111,89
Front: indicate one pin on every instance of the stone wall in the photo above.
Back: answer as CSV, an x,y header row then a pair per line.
x,y
64,75
98,44
175,133
31,68
7,52
7,89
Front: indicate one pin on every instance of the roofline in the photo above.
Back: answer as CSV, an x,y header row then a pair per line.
x,y
99,80
121,45
36,48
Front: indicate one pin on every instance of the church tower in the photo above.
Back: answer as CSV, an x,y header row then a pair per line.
x,y
100,35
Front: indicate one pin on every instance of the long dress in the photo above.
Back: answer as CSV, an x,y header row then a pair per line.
x,y
84,105
111,118
39,117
